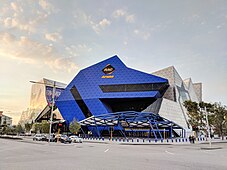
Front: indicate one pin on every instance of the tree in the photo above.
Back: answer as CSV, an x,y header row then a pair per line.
x,y
28,127
4,127
45,127
196,117
74,126
19,129
219,119
36,127
217,116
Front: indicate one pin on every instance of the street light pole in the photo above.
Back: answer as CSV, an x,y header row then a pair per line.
x,y
52,109
52,106
208,127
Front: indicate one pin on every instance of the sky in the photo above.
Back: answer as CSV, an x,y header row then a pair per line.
x,y
55,39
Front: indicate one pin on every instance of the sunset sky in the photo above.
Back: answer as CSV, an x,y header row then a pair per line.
x,y
55,39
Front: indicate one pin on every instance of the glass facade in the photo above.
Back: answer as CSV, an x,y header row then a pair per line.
x,y
133,87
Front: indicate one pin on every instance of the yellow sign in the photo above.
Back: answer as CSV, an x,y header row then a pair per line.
x,y
107,77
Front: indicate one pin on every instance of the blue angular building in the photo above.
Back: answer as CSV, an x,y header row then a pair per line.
x,y
111,95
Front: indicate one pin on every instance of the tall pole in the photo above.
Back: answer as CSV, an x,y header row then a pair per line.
x,y
52,110
208,127
111,133
164,133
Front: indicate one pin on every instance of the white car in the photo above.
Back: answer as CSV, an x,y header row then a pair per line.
x,y
76,139
39,137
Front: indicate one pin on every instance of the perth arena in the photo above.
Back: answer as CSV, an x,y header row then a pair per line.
x,y
109,97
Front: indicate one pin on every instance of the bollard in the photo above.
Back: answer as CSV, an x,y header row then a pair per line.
x,y
127,140
176,140
132,139
161,140
143,139
179,140
149,140
186,139
102,138
172,140
119,139
183,140
167,140
116,139
112,139
137,140
155,140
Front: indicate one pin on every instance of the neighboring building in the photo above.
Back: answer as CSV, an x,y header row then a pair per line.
x,y
25,117
171,105
5,120
109,95
40,101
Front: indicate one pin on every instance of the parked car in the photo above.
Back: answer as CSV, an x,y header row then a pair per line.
x,y
39,137
63,139
76,139
52,138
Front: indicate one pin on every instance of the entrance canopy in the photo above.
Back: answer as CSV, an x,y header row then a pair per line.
x,y
132,121
129,119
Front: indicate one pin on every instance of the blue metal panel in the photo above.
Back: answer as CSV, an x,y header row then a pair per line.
x,y
70,110
87,83
95,106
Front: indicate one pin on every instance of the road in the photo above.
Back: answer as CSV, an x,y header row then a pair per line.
x,y
26,154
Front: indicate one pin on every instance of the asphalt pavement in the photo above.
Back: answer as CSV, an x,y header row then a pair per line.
x,y
26,154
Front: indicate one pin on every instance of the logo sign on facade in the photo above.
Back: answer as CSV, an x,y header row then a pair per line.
x,y
108,69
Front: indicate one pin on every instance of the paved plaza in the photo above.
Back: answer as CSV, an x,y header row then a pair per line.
x,y
26,154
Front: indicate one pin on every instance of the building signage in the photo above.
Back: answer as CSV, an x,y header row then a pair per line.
x,y
108,70
107,77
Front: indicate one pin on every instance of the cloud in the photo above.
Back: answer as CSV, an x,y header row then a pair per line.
x,y
136,31
53,36
77,50
81,18
130,18
104,23
142,34
119,13
46,6
29,51
23,16
16,7
101,25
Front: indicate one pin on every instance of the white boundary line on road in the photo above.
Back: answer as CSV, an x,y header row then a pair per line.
x,y
169,153
106,150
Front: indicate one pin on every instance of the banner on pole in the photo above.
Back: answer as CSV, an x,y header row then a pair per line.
x,y
49,91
